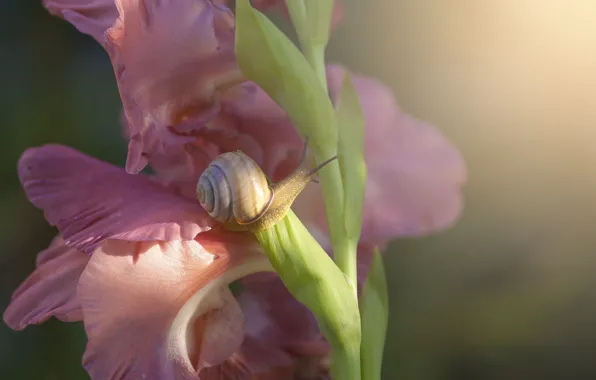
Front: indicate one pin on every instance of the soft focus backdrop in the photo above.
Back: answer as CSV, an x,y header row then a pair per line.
x,y
509,293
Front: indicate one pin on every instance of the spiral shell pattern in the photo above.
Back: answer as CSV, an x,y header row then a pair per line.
x,y
234,189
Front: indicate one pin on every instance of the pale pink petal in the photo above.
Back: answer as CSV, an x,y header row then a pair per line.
x,y
91,201
92,17
253,360
414,174
50,290
173,61
162,310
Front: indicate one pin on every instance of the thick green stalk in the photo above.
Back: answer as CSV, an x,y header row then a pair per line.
x,y
315,281
352,168
315,55
312,19
333,192
266,56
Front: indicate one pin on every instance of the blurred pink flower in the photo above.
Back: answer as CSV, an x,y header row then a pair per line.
x,y
156,283
414,177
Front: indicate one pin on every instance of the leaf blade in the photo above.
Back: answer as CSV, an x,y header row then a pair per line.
x,y
351,157
374,311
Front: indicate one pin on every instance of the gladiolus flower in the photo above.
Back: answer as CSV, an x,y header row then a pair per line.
x,y
140,262
153,296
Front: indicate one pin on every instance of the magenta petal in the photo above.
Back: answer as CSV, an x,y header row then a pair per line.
x,y
268,124
91,201
274,316
92,17
50,290
253,360
253,123
173,61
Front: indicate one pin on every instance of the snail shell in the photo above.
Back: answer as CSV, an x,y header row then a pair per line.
x,y
235,192
234,189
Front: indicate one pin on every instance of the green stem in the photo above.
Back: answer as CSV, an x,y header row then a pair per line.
x,y
346,260
344,251
343,363
315,281
315,55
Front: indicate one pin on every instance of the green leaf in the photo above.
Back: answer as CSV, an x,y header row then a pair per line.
x,y
268,57
312,21
374,310
351,157
352,171
319,14
315,281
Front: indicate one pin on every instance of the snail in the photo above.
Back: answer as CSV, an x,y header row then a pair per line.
x,y
235,192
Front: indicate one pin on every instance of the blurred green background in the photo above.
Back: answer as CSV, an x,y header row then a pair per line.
x,y
509,293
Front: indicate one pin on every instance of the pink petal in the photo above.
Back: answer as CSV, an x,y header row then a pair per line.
x,y
268,124
253,360
179,167
414,174
273,315
254,124
162,310
173,61
50,290
91,201
92,17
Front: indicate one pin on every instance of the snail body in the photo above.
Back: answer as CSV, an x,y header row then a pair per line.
x,y
235,192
